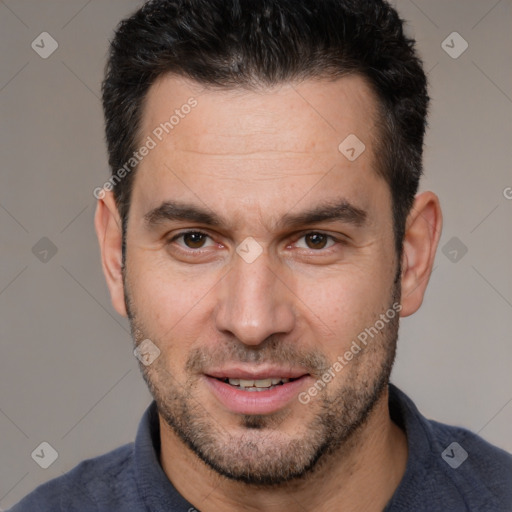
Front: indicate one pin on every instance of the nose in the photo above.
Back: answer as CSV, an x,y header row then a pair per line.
x,y
253,302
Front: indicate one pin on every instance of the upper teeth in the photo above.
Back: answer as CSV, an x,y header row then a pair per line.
x,y
261,383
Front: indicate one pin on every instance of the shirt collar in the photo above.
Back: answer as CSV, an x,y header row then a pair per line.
x,y
159,495
155,489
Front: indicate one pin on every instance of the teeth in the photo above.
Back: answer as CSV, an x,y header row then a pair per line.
x,y
260,383
263,383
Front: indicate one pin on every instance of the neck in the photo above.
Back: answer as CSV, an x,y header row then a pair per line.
x,y
362,475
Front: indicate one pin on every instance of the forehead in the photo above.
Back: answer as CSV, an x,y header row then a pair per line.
x,y
319,112
250,146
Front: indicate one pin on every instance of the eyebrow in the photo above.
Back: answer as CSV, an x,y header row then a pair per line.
x,y
341,211
174,210
332,211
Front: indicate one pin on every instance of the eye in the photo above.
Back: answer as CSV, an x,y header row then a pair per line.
x,y
191,239
317,241
195,240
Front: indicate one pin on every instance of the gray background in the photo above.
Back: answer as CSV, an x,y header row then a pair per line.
x,y
68,375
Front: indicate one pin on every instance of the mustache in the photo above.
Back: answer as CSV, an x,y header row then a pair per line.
x,y
269,352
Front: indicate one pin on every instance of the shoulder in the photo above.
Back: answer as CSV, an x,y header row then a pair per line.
x,y
449,467
90,486
478,469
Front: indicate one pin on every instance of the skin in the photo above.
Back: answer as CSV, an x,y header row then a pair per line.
x,y
252,157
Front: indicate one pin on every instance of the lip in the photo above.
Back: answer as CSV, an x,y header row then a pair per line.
x,y
269,372
255,402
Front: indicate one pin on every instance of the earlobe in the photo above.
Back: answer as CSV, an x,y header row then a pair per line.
x,y
109,232
422,234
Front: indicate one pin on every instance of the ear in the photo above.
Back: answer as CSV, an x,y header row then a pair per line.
x,y
107,223
422,233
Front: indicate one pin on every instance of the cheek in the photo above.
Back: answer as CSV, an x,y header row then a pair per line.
x,y
348,303
168,303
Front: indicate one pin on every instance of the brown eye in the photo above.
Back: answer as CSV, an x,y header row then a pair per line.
x,y
193,240
316,240
193,246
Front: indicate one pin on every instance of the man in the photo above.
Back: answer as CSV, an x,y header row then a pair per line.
x,y
261,231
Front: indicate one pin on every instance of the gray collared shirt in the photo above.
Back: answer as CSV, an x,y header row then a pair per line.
x,y
448,469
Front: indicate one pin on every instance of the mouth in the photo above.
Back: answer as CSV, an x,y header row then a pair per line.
x,y
256,384
249,392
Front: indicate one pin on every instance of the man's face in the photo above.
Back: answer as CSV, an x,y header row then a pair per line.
x,y
264,293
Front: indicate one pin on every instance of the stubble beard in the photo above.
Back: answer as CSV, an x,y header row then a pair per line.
x,y
259,453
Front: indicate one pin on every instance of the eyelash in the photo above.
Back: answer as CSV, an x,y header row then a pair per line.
x,y
199,251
